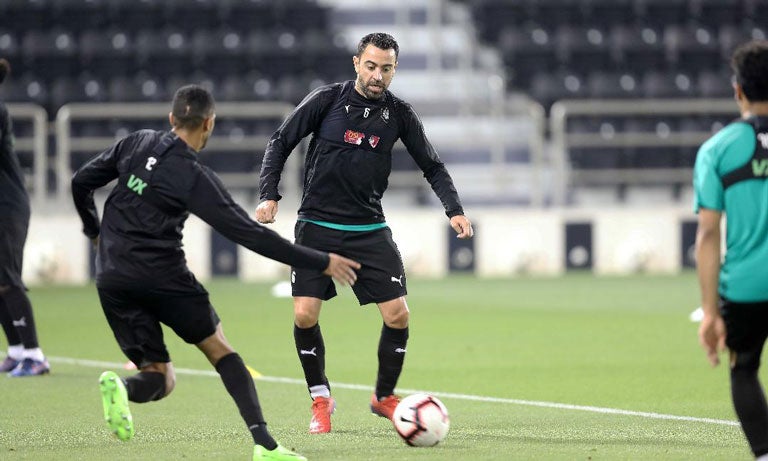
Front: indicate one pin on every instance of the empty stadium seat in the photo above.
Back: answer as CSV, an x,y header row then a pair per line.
x,y
526,52
637,48
695,45
9,44
107,52
137,13
549,87
610,11
715,12
54,51
582,49
665,84
714,84
27,15
664,12
612,85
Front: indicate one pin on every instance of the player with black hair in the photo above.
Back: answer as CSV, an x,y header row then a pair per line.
x,y
730,183
354,126
25,358
141,272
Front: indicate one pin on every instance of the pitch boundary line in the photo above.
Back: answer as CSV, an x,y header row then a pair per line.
x,y
448,395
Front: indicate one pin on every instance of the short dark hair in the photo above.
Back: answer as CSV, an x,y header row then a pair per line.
x,y
750,63
5,69
379,40
192,104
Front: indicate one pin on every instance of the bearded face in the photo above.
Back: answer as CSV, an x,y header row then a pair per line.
x,y
375,68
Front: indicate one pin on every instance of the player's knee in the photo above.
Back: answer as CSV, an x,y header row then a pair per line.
x,y
304,318
397,319
170,383
169,378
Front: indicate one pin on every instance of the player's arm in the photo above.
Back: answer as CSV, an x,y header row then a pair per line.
x,y
96,173
299,124
712,330
709,205
210,201
422,151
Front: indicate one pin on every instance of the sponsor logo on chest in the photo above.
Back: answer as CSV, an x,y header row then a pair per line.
x,y
356,138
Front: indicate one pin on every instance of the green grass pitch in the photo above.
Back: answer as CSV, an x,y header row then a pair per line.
x,y
498,352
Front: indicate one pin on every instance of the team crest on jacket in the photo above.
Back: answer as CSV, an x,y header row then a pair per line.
x,y
355,137
373,141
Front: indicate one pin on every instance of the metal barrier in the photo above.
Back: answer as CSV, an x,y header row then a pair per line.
x,y
562,140
66,143
37,144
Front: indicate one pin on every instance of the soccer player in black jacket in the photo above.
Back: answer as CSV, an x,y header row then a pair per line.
x,y
141,273
25,358
354,125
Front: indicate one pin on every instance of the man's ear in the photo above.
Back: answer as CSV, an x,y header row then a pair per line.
x,y
738,92
355,62
170,118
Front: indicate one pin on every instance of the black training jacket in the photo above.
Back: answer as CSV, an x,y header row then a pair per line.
x,y
159,182
14,200
349,159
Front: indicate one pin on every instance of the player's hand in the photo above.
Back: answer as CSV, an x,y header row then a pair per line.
x,y
712,337
342,269
462,226
266,211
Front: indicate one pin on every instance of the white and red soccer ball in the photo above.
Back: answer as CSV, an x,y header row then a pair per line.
x,y
421,420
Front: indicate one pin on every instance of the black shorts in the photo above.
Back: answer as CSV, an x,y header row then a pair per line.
x,y
135,316
746,324
13,236
381,277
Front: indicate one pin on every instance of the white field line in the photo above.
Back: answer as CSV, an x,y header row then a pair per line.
x,y
448,395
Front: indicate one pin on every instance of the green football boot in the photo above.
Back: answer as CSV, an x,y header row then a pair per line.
x,y
280,453
114,398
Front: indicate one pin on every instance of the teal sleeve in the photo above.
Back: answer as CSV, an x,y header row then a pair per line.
x,y
707,184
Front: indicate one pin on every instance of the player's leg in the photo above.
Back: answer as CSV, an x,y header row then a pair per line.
x,y
392,348
749,398
747,328
20,309
382,280
13,236
140,336
239,383
310,348
15,348
309,289
153,382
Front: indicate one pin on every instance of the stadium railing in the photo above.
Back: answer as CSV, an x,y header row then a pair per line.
x,y
567,175
67,142
37,143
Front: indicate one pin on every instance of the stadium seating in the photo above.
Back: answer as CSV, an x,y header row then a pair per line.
x,y
623,49
165,38
266,50
678,36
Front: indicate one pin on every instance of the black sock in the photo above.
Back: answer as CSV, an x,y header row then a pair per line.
x,y
391,357
311,350
20,309
145,386
749,401
240,386
7,322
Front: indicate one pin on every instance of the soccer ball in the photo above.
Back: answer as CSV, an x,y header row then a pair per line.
x,y
421,420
